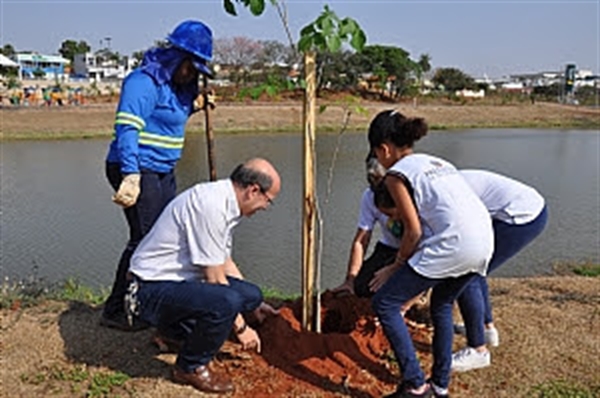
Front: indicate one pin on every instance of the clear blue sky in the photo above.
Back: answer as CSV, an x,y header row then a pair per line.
x,y
482,36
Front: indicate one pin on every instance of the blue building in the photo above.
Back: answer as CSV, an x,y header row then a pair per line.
x,y
53,66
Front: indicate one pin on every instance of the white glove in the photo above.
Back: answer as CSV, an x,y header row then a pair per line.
x,y
128,192
205,100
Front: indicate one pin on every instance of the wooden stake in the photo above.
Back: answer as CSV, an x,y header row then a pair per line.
x,y
309,208
210,144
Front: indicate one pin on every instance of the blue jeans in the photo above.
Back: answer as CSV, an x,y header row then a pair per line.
x,y
202,313
509,239
156,191
401,287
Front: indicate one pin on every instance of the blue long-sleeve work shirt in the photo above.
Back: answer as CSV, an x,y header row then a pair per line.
x,y
149,125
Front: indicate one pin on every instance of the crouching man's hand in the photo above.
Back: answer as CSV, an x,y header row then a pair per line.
x,y
263,311
248,338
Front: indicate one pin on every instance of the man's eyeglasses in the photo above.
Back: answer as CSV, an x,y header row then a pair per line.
x,y
269,200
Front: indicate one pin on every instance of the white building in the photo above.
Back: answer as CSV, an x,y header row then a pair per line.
x,y
97,68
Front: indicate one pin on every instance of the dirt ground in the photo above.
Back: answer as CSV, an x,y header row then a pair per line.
x,y
549,331
96,120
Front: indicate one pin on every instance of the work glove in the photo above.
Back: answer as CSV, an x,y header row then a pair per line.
x,y
205,100
128,192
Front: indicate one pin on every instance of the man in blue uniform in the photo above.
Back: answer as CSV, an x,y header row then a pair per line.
x,y
156,101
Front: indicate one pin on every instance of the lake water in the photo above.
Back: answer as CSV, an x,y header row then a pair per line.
x,y
57,219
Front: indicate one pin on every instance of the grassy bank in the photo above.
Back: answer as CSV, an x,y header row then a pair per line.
x,y
95,121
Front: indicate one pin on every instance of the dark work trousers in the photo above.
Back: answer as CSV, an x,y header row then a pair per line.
x,y
156,191
382,255
201,314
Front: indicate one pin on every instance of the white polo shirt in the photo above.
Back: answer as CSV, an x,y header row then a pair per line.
x,y
195,229
370,215
506,199
457,236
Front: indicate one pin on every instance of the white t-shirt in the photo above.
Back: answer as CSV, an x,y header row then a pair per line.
x,y
457,236
369,215
195,229
506,199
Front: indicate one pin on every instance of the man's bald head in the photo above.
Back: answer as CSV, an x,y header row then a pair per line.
x,y
257,171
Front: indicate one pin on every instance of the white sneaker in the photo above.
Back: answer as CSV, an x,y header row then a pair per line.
x,y
490,336
469,358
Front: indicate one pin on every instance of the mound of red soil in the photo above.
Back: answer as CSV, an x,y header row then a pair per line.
x,y
351,356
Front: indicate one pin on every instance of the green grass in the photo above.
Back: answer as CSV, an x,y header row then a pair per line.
x,y
563,389
270,293
585,268
33,290
73,290
79,380
588,269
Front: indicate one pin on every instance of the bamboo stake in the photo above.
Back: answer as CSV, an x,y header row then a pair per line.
x,y
309,203
210,143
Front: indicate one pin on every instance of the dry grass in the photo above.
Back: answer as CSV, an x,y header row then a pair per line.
x,y
549,330
97,120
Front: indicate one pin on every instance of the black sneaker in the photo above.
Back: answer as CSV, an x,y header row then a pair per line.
x,y
404,392
119,321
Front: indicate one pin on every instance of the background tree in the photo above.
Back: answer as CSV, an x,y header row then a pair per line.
x,y
69,48
337,70
392,65
237,51
423,66
7,50
452,79
138,56
275,52
239,54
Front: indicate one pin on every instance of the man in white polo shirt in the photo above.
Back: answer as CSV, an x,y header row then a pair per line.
x,y
185,281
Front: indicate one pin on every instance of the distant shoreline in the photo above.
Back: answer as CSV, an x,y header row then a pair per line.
x,y
96,120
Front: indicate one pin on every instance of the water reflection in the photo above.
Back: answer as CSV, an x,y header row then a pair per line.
x,y
57,214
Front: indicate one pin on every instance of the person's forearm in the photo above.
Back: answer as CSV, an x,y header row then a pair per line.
x,y
232,270
355,261
408,245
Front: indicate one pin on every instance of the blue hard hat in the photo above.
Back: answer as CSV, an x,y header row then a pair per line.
x,y
195,38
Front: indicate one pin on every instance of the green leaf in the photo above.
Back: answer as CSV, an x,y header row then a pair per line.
x,y
334,43
322,108
319,41
358,40
305,43
347,27
229,7
307,30
327,26
257,7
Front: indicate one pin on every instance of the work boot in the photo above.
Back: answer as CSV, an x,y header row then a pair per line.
x,y
204,379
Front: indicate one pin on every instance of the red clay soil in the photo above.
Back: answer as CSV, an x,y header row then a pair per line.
x,y
350,357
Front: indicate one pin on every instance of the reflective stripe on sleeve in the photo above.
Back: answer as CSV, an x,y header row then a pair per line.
x,y
130,119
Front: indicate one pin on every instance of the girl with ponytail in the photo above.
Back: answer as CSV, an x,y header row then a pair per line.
x,y
447,240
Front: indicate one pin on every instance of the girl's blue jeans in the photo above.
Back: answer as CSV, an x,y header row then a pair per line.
x,y
474,301
401,287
